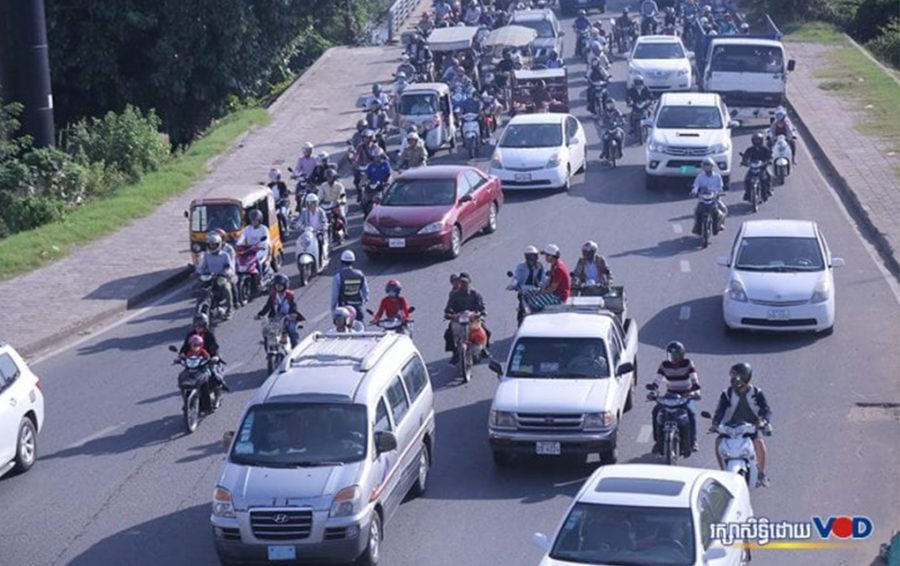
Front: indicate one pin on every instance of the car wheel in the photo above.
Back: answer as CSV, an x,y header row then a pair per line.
x,y
26,446
372,553
421,484
652,183
568,182
629,401
491,225
455,242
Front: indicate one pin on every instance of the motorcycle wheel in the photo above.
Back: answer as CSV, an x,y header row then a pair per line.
x,y
245,290
470,147
191,411
671,449
754,197
270,363
304,273
705,230
465,369
215,400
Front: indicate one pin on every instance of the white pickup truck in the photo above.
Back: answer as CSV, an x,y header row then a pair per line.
x,y
570,377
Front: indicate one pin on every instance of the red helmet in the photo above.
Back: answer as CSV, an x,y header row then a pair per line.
x,y
195,341
393,286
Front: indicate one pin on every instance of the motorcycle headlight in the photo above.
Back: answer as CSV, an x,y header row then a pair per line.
x,y
495,161
736,291
432,228
821,293
598,421
369,228
502,419
554,160
657,147
223,506
347,502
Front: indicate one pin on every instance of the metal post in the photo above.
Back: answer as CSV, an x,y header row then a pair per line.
x,y
33,69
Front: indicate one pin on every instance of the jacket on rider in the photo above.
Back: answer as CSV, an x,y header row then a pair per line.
x,y
604,275
729,400
282,304
391,307
349,287
529,276
378,172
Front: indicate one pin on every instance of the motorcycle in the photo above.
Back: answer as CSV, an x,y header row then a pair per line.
x,y
589,288
649,25
781,159
336,222
737,451
612,146
283,211
302,188
597,96
625,37
758,192
471,133
250,282
394,323
276,342
370,195
582,38
639,112
674,423
200,394
311,260
211,301
522,291
709,209
377,120
467,353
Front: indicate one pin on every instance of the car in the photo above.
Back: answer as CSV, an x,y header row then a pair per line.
x,y
540,151
780,278
570,377
327,449
688,127
663,63
21,412
571,7
650,514
549,36
433,209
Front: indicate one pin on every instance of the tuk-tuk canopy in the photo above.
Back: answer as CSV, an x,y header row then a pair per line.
x,y
511,36
453,38
247,195
548,75
420,88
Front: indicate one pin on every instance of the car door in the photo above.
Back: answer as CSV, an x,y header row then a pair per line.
x,y
718,505
404,429
466,211
575,141
11,403
615,347
387,464
480,196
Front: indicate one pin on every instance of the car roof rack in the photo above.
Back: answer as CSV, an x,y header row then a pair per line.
x,y
348,347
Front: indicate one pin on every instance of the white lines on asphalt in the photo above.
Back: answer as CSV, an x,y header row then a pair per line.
x,y
579,481
684,313
677,228
685,266
646,434
95,436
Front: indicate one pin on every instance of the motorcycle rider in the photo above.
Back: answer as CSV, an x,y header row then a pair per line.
x,y
472,14
463,299
229,250
283,303
638,93
529,273
379,170
415,154
744,403
281,195
597,54
709,180
782,126
614,130
758,152
406,69
472,105
649,11
349,285
554,61
581,25
597,78
344,321
306,163
333,191
624,27
314,217
218,264
592,266
357,138
363,157
392,305
679,375
323,164
256,234
378,99
200,328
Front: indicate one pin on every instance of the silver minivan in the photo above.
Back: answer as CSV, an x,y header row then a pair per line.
x,y
325,452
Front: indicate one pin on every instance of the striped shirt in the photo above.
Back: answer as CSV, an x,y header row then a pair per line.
x,y
677,377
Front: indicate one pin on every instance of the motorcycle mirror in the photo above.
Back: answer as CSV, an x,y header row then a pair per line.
x,y
650,387
227,438
509,273
705,414
837,262
791,64
734,124
186,214
722,260
370,311
173,349
412,310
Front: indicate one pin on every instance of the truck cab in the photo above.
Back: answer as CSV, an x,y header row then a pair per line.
x,y
570,377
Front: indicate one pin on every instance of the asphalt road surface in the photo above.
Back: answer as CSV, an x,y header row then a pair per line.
x,y
118,482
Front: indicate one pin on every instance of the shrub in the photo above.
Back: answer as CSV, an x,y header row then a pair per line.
x,y
871,18
887,45
18,213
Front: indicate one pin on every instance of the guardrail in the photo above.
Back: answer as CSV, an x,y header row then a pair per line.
x,y
397,14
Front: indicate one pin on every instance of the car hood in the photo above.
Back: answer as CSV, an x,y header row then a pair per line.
x,y
552,395
252,486
526,157
665,65
406,216
782,287
690,138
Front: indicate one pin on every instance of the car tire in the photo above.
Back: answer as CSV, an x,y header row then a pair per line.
x,y
609,457
629,401
372,554
26,446
418,489
568,182
491,225
455,242
651,183
501,459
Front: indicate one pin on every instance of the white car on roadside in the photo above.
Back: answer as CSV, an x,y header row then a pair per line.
x,y
650,514
780,278
540,151
21,412
663,63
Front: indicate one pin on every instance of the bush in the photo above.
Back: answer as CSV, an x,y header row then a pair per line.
x,y
129,143
871,18
887,45
19,213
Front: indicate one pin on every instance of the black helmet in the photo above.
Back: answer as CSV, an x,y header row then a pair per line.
x,y
675,351
280,279
757,139
201,320
741,371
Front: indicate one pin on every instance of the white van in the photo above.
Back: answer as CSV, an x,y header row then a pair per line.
x,y
326,450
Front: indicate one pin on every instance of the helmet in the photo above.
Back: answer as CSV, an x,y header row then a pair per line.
x,y
551,250
322,156
625,11
757,139
307,145
531,250
713,33
195,341
341,313
376,88
214,242
582,13
742,372
280,279
463,276
255,215
310,199
367,133
638,80
707,8
745,26
378,152
330,173
704,21
412,136
348,256
709,161
675,351
400,75
780,114
595,62
595,32
220,232
360,125
201,320
589,248
274,174
393,286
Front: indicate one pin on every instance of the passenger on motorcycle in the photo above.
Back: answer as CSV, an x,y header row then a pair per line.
x,y
649,11
407,69
195,348
758,152
676,374
333,190
709,181
598,78
278,187
529,273
256,234
392,305
597,55
363,156
415,154
472,14
322,164
744,403
349,285
282,303
463,299
670,20
782,126
201,329
219,264
592,266
344,321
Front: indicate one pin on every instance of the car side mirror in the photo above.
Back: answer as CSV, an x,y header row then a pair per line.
x,y
187,214
723,261
173,349
226,439
561,33
495,367
837,262
714,553
541,541
791,64
732,124
705,414
625,368
385,442
465,198
650,387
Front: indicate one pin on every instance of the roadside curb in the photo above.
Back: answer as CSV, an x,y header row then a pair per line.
x,y
857,209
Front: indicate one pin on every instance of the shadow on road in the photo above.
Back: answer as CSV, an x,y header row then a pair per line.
x,y
666,248
138,436
136,343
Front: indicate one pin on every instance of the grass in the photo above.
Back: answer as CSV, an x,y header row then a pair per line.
x,y
815,32
28,250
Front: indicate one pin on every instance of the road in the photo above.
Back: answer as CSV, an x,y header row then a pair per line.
x,y
119,483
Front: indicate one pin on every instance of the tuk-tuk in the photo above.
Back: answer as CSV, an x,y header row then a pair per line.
x,y
444,42
523,86
428,107
501,39
227,207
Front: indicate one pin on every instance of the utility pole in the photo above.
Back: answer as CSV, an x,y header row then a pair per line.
x,y
33,71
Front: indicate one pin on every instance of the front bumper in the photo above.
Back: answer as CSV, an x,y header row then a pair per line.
x,y
521,442
540,178
661,164
779,318
380,243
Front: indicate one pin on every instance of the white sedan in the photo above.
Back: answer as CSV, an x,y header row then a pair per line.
x,y
663,63
540,151
650,514
780,278
21,412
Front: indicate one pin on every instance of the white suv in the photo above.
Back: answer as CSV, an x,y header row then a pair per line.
x,y
687,128
662,61
21,412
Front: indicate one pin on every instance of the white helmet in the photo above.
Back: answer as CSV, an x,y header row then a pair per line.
x,y
214,242
348,256
307,145
323,156
311,199
551,250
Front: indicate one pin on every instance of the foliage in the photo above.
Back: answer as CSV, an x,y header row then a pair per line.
x,y
887,45
872,18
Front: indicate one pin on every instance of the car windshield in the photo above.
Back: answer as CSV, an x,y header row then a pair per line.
x,y
422,104
659,51
618,534
779,254
559,358
301,434
543,28
420,192
689,117
747,59
206,218
532,135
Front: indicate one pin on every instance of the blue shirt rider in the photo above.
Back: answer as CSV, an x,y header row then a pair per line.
x,y
379,170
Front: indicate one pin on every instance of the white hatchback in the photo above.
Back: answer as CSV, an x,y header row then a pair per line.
x,y
650,514
663,63
780,277
540,151
21,412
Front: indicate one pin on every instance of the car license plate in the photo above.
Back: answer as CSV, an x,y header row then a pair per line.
x,y
523,177
548,448
397,243
687,170
282,553
779,314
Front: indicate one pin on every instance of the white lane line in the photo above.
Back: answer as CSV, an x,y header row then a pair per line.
x,y
677,228
646,434
95,436
685,266
685,313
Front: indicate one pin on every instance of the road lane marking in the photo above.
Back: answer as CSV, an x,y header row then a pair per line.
x,y
646,434
95,436
685,266
677,228
685,313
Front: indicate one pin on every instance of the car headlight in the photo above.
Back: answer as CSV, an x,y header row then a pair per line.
x,y
736,291
720,148
597,421
554,160
821,293
346,503
502,419
222,506
369,228
433,228
495,161
657,147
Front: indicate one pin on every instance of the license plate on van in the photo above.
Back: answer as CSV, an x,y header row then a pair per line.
x,y
548,448
282,552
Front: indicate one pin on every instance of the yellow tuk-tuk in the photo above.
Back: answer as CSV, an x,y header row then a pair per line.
x,y
227,207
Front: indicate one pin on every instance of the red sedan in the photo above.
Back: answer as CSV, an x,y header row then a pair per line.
x,y
433,209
